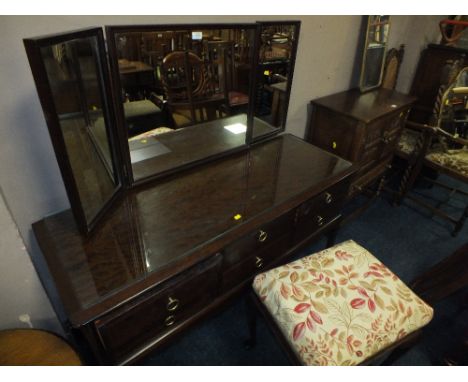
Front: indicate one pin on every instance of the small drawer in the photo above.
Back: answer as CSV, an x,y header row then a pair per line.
x,y
314,221
258,239
147,317
254,263
330,199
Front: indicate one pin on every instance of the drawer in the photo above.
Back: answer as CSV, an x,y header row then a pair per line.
x,y
143,320
255,263
258,239
316,219
332,198
378,131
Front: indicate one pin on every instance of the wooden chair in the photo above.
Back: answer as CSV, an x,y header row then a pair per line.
x,y
224,63
392,67
340,306
444,152
189,89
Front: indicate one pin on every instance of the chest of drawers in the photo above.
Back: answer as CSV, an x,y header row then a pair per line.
x,y
360,127
152,270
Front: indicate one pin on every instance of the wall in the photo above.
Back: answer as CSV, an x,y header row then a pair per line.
x,y
29,174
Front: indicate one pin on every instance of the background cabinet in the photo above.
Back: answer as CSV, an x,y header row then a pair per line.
x,y
360,127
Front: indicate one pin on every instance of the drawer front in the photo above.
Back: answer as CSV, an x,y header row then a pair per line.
x,y
255,263
380,130
258,239
150,316
320,210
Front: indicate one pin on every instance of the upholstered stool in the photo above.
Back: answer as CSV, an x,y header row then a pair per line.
x,y
340,306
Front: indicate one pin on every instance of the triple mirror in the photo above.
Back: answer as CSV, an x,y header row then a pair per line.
x,y
181,95
375,47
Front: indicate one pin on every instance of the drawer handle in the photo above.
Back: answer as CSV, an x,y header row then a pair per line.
x,y
172,304
258,262
320,220
328,198
169,321
262,236
386,140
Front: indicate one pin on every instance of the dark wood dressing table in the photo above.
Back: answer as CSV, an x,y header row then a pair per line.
x,y
171,252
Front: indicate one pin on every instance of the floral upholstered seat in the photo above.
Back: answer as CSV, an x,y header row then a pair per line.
x,y
340,306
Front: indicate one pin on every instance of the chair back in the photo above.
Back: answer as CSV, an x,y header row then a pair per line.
x,y
392,67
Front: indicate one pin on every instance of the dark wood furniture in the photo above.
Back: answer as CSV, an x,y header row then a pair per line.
x,y
362,128
170,253
32,347
426,81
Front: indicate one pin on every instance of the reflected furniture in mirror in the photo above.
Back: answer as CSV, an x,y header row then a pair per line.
x,y
73,86
375,47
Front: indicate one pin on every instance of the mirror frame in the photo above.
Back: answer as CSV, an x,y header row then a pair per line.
x,y
363,60
33,49
292,64
111,32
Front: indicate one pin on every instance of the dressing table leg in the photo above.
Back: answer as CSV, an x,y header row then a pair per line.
x,y
251,316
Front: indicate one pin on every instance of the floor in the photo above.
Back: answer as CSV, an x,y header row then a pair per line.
x,y
407,239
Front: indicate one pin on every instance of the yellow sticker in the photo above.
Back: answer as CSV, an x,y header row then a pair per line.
x,y
266,72
334,145
144,141
237,216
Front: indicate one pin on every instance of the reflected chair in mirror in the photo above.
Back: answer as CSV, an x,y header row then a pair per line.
x,y
442,147
189,89
224,65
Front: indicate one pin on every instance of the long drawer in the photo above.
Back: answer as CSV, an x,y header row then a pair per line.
x,y
144,319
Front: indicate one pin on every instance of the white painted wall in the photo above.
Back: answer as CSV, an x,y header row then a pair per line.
x,y
29,175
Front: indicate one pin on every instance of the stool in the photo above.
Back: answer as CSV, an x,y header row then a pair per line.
x,y
340,306
33,347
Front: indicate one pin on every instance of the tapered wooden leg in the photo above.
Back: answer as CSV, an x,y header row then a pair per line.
x,y
459,224
251,316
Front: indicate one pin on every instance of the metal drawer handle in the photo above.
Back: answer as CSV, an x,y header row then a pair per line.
x,y
258,262
172,304
169,320
262,236
320,220
328,198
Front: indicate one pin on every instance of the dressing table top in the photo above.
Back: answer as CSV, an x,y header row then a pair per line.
x,y
162,228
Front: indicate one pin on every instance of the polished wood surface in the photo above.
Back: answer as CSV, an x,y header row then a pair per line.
x,y
237,215
31,347
365,107
160,225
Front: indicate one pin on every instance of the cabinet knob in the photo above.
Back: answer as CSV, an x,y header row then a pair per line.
x,y
262,236
320,220
172,304
258,262
328,198
169,321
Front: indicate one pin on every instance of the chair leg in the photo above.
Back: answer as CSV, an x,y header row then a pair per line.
x,y
251,315
459,224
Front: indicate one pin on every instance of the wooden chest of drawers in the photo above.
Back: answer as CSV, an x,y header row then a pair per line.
x,y
152,270
363,128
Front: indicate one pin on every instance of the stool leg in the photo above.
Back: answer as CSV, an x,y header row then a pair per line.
x,y
251,316
331,238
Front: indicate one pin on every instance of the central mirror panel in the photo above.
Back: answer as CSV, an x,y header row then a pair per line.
x,y
183,92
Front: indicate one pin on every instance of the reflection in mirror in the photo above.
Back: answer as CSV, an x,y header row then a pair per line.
x,y
374,51
75,81
278,42
184,93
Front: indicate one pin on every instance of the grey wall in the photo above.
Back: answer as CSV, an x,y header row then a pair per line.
x,y
29,175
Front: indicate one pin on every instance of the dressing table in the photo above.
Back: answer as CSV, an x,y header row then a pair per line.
x,y
166,226
170,253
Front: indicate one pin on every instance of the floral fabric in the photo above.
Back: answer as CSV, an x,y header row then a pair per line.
x,y
456,160
340,306
408,140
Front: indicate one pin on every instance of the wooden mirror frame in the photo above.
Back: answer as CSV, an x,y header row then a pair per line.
x,y
363,88
33,49
111,32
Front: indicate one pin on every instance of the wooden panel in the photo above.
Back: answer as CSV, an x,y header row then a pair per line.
x,y
139,321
